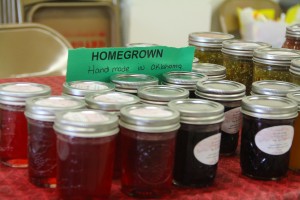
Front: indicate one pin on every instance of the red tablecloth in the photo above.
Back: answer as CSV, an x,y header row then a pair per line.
x,y
229,183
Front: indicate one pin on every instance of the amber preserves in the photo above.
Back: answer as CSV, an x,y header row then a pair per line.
x,y
292,37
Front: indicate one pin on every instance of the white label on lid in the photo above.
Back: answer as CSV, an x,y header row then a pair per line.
x,y
231,124
151,112
114,98
56,102
275,140
89,86
207,150
24,88
86,116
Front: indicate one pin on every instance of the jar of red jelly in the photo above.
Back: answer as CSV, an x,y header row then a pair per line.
x,y
112,102
214,72
292,37
198,141
267,135
273,88
78,89
183,79
129,83
86,142
148,135
295,71
40,113
161,94
229,94
13,124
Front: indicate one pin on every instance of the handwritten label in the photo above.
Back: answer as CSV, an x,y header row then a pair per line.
x,y
101,63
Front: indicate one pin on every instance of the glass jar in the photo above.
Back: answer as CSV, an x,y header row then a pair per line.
x,y
273,63
229,94
273,88
148,135
208,46
129,83
213,72
183,79
295,71
85,153
198,141
78,89
267,136
13,124
112,102
161,94
294,163
40,114
292,37
237,59
139,44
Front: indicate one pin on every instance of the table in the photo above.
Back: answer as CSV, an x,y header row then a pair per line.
x,y
229,184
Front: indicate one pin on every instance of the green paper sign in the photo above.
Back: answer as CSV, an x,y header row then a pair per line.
x,y
101,63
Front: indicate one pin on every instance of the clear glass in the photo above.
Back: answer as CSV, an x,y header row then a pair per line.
x,y
294,163
209,55
13,136
291,43
147,163
85,166
269,72
295,78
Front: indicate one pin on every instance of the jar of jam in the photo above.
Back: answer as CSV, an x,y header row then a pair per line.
x,y
129,83
13,124
292,37
40,114
161,94
267,135
295,71
273,63
208,46
148,135
86,150
183,79
198,141
237,59
273,88
213,72
78,89
112,102
228,93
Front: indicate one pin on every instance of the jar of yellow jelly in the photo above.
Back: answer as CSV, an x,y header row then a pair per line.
x,y
214,72
295,71
208,46
273,88
237,59
292,37
273,63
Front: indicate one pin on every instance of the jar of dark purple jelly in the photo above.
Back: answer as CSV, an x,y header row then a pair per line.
x,y
198,141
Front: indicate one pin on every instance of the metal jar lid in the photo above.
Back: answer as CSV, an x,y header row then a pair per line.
x,y
269,107
275,56
161,94
242,47
183,78
273,87
131,82
149,118
86,123
293,31
16,93
213,71
296,97
295,66
140,44
223,90
198,111
208,39
110,101
81,88
44,108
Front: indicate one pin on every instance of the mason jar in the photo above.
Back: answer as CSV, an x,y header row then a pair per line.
x,y
213,72
140,44
208,46
198,141
267,136
237,59
295,71
292,37
273,63
229,94
273,88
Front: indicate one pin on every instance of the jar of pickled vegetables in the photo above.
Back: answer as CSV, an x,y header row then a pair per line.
x,y
273,63
208,46
237,59
295,71
273,88
292,37
213,71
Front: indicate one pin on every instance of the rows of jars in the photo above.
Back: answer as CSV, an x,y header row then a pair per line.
x,y
152,133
